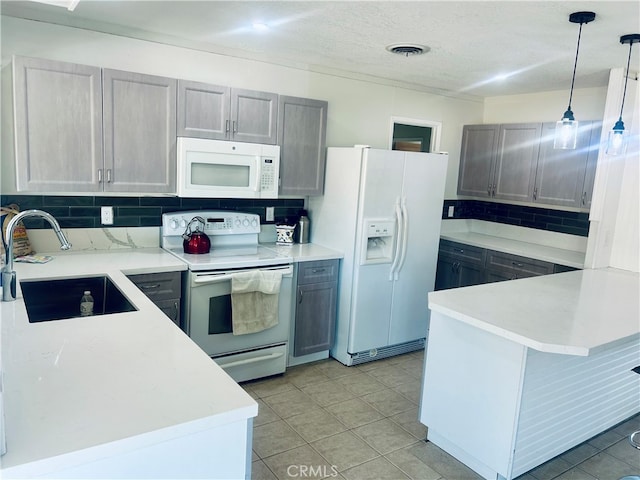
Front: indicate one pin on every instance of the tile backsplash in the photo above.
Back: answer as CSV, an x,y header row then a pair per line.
x,y
84,211
574,223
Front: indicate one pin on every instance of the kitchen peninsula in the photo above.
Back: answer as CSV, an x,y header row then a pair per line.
x,y
518,372
125,395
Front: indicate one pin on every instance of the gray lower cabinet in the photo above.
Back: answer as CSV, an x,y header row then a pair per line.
x,y
302,137
505,266
139,132
223,113
461,265
164,289
57,127
316,302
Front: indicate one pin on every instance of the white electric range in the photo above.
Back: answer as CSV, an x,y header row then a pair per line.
x,y
207,309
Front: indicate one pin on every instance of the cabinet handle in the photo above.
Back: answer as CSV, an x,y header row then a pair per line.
x,y
235,127
516,264
108,175
459,250
318,270
489,188
175,310
535,193
493,190
226,126
150,286
299,295
584,198
99,175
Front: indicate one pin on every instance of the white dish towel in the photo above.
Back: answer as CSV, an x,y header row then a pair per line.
x,y
254,301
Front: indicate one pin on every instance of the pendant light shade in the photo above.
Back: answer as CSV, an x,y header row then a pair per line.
x,y
566,133
617,143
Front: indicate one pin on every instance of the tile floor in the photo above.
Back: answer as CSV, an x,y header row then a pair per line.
x,y
327,420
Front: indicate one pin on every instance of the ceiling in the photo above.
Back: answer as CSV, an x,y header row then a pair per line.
x,y
531,44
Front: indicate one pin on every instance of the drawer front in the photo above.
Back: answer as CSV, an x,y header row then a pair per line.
x,y
318,272
523,266
159,286
463,252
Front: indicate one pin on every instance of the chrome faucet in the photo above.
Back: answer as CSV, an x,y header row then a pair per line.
x,y
8,274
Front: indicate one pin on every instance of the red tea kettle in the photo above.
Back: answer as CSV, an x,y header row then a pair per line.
x,y
196,241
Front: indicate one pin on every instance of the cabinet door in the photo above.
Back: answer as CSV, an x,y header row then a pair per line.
x,y
592,160
516,161
302,135
58,126
470,275
315,318
254,116
203,110
477,159
560,173
139,133
446,274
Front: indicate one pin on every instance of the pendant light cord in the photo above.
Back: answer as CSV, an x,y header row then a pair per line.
x,y
575,64
626,78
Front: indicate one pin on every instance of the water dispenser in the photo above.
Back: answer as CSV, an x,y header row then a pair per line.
x,y
378,237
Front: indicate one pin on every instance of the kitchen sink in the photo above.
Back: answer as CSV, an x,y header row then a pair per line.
x,y
59,299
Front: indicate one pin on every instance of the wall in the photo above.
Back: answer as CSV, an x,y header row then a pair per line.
x,y
587,104
359,112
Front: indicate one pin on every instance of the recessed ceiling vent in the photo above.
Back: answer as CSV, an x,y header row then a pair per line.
x,y
407,49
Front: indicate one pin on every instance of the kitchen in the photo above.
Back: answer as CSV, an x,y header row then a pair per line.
x,y
349,122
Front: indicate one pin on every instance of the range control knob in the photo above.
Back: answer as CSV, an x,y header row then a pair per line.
x,y
174,224
245,222
254,223
238,222
183,223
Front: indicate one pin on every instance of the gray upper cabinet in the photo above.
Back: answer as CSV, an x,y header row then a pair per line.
x,y
477,159
518,162
254,116
223,113
515,170
561,177
203,110
139,132
302,138
58,126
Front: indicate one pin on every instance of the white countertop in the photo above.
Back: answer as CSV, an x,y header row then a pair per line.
x,y
305,252
546,253
568,313
74,389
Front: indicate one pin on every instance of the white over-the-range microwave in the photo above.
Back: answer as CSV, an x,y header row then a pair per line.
x,y
227,169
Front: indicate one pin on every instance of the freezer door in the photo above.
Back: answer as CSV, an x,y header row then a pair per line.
x,y
423,194
381,187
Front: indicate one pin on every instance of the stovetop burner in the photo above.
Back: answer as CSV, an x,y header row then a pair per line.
x,y
234,241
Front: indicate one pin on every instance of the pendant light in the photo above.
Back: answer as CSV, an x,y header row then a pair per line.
x,y
617,143
567,127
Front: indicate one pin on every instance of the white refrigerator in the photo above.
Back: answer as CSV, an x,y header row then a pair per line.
x,y
382,209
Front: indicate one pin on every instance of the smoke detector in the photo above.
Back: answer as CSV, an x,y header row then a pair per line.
x,y
407,49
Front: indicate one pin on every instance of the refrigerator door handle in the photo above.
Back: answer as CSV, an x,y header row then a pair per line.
x,y
405,237
397,250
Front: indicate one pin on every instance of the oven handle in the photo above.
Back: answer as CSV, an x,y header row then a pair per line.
x,y
248,361
207,278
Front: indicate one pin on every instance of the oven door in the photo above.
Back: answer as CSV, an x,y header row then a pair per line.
x,y
208,322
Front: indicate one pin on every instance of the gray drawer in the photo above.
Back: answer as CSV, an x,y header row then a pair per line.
x,y
462,252
318,272
159,286
523,266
